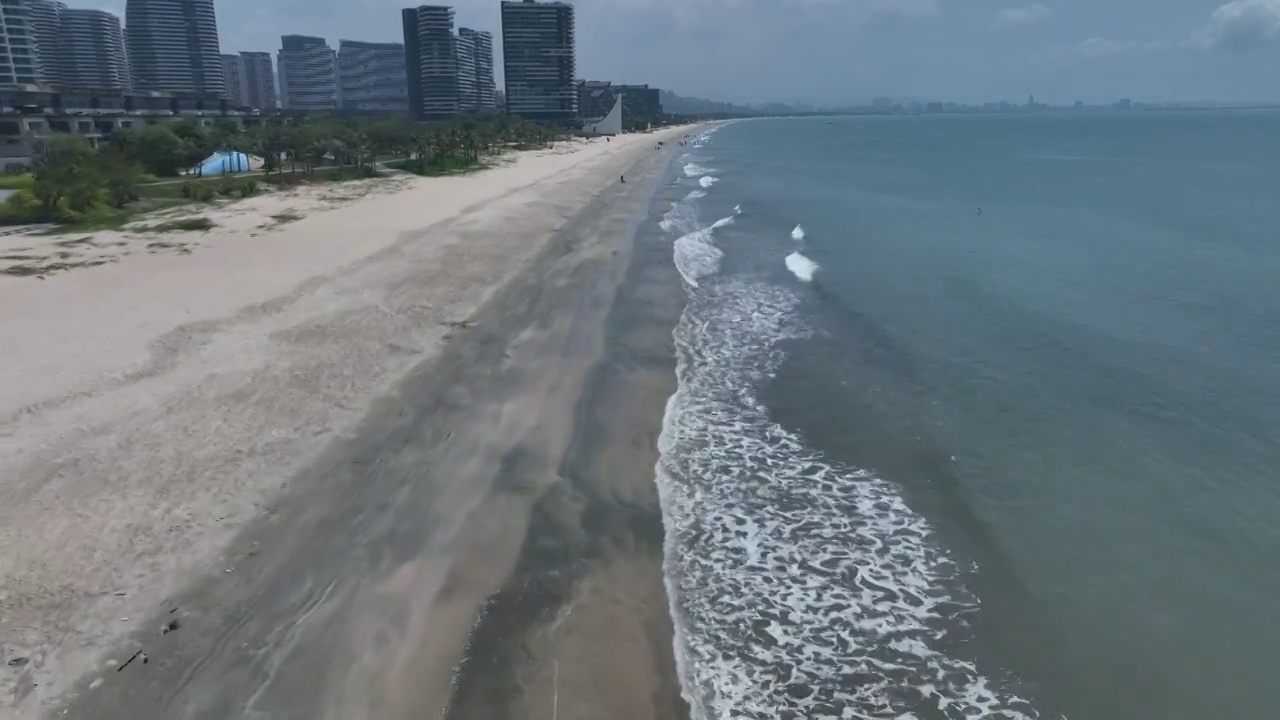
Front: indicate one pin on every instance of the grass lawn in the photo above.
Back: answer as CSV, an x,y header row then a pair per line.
x,y
168,194
20,181
112,219
192,224
437,169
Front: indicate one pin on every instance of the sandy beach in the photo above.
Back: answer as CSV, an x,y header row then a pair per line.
x,y
381,449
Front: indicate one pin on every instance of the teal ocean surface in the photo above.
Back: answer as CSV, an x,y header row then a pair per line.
x,y
977,417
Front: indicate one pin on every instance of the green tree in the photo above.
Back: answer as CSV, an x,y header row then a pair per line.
x,y
391,136
225,135
197,143
124,141
67,171
120,176
160,152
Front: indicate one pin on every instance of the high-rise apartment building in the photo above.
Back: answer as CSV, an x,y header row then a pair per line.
x,y
371,76
431,61
538,59
233,71
46,30
173,46
78,47
259,80
465,49
482,47
447,73
19,63
92,51
308,73
412,60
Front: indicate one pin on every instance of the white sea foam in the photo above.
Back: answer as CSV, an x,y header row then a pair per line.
x,y
694,170
696,257
802,267
737,209
798,587
797,234
707,181
681,218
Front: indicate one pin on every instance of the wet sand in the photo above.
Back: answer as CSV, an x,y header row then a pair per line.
x,y
484,543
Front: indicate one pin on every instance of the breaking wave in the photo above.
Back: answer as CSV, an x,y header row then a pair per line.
x,y
802,267
799,587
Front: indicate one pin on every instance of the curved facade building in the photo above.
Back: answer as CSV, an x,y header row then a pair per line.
x,y
173,46
46,28
431,61
481,45
93,54
18,62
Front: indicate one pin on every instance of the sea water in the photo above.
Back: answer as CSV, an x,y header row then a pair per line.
x,y
977,417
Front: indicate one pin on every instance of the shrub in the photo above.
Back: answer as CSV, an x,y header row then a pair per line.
x,y
64,215
248,187
21,208
188,224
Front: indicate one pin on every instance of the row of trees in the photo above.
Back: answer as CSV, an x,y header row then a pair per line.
x,y
73,177
168,150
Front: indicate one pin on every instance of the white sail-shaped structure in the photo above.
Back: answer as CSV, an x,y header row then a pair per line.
x,y
610,124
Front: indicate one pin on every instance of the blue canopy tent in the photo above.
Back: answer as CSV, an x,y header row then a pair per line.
x,y
225,163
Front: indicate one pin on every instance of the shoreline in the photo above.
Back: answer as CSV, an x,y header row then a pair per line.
x,y
463,351
582,628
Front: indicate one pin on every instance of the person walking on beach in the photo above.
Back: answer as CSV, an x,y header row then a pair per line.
x,y
623,178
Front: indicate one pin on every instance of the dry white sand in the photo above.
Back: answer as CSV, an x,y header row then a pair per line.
x,y
151,405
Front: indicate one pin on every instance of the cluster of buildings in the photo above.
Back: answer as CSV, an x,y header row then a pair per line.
x,y
439,70
165,59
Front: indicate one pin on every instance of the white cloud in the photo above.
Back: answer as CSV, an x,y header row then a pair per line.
x,y
1015,16
906,8
1241,25
1098,47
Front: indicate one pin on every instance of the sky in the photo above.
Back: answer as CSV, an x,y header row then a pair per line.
x,y
837,52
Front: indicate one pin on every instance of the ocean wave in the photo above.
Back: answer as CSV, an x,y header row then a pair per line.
x,y
681,218
707,181
798,587
737,209
797,233
802,267
695,170
696,257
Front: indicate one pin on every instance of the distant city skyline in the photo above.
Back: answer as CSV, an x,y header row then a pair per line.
x,y
972,51
1205,51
